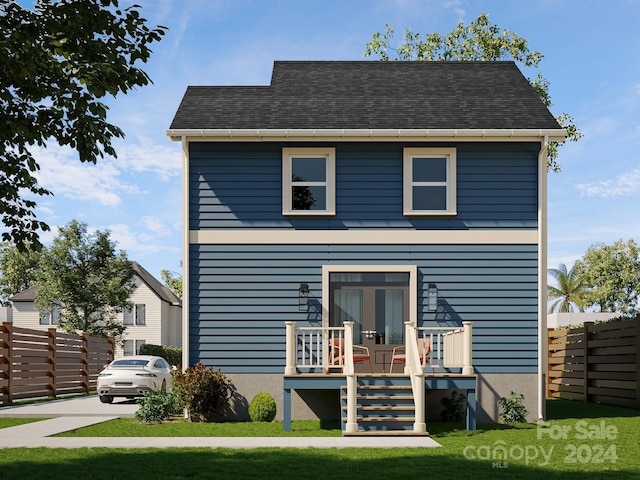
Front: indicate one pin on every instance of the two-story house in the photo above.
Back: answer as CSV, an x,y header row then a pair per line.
x,y
155,317
376,203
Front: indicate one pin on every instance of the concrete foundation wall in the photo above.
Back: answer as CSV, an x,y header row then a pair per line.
x,y
325,404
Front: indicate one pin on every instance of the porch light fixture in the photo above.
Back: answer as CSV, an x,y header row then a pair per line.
x,y
303,295
432,297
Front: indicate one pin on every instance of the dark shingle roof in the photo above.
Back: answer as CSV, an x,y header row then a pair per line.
x,y
372,95
29,295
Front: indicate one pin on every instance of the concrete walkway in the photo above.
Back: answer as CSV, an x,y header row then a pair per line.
x,y
72,414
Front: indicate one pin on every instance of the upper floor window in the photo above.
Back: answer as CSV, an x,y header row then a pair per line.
x,y
429,181
308,181
134,315
50,318
140,316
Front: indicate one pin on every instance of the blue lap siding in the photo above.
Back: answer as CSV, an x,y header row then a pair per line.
x,y
241,295
240,186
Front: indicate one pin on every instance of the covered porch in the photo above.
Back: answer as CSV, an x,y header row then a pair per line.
x,y
380,402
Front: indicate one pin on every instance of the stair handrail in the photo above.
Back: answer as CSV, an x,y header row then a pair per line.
x,y
413,367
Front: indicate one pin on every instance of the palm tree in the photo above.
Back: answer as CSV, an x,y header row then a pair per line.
x,y
572,290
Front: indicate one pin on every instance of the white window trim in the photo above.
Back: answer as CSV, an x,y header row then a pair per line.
x,y
287,155
450,184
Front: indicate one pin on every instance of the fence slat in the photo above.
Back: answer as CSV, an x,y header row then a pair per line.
x,y
596,363
34,363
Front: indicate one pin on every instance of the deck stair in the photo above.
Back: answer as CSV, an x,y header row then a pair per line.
x,y
385,406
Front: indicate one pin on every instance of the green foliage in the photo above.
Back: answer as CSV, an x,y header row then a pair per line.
x,y
512,409
58,60
572,289
613,274
262,408
84,276
173,355
18,269
453,408
172,281
480,40
203,392
157,407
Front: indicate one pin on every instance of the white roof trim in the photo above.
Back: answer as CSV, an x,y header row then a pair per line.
x,y
366,134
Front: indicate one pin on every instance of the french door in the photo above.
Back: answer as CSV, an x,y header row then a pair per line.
x,y
378,304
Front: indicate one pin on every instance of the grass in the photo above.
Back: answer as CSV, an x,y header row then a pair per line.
x,y
463,454
130,427
12,422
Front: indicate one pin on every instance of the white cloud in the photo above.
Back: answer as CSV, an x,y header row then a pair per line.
x,y
136,242
162,160
623,185
63,174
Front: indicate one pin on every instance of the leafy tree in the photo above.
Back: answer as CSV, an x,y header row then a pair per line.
x,y
173,281
18,269
84,277
613,273
572,290
57,61
480,40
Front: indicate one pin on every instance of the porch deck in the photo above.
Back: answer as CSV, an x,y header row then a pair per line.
x,y
380,403
338,381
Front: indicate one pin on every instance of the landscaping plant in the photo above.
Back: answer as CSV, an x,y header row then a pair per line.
x,y
262,408
157,407
512,409
203,391
454,408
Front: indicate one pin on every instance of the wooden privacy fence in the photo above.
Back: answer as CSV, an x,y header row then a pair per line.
x,y
37,363
596,363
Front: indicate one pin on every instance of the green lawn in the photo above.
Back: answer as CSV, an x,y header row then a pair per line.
x,y
579,442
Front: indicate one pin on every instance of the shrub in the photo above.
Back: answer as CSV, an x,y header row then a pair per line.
x,y
513,409
157,407
203,392
453,410
173,355
262,408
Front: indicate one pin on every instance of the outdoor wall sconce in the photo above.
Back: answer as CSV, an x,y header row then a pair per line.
x,y
432,297
303,295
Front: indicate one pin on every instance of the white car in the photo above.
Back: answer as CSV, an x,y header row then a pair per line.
x,y
133,376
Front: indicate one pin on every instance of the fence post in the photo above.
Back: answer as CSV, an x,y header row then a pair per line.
x,y
585,374
84,359
112,350
638,363
548,379
7,353
52,361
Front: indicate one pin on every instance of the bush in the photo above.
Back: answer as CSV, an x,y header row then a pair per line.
x,y
157,407
173,355
453,410
203,392
262,408
512,408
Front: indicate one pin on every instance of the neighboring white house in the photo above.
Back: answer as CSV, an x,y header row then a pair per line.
x,y
555,320
155,318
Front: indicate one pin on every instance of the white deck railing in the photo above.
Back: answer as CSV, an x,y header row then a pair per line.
x,y
308,348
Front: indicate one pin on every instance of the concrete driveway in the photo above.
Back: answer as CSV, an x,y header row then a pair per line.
x,y
89,406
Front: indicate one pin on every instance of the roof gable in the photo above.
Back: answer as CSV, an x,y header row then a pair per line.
x,y
372,95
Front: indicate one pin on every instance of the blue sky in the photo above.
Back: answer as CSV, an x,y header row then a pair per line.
x,y
591,59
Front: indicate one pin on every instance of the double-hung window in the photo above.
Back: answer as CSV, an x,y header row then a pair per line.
x,y
429,181
308,181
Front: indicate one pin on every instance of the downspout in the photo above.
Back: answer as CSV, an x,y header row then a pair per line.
x,y
542,278
185,253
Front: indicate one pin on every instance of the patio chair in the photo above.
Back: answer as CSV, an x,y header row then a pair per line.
x,y
399,353
360,353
